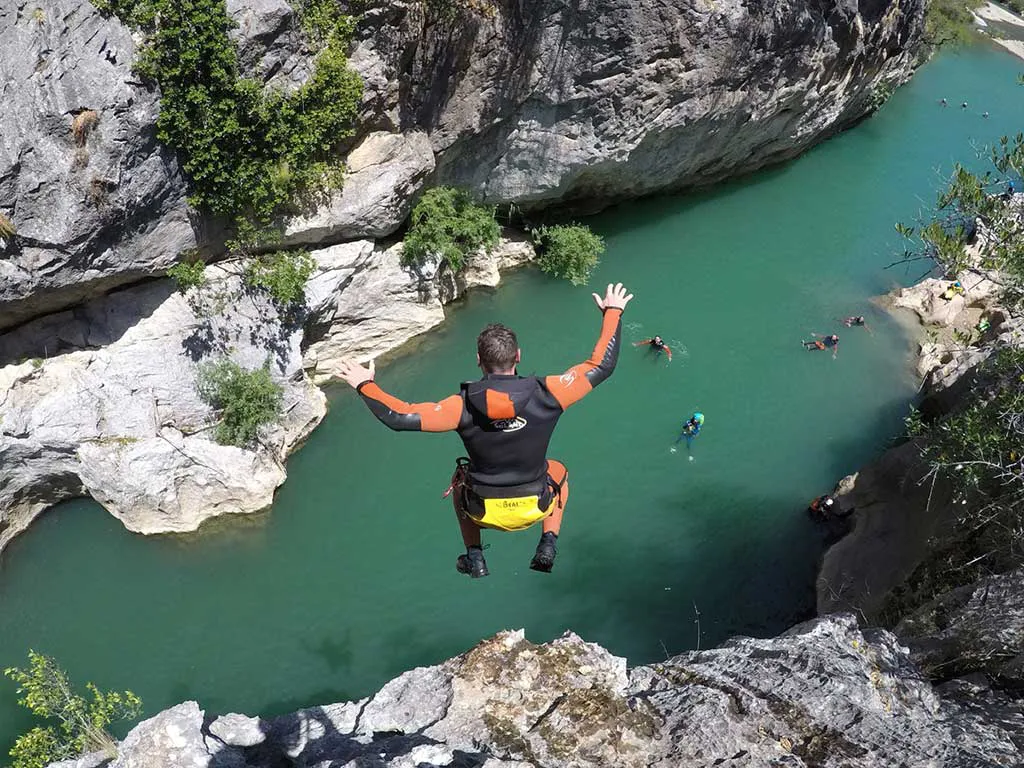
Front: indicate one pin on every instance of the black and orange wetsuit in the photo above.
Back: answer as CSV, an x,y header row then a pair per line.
x,y
506,421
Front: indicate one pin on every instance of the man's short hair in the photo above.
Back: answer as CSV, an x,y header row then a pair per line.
x,y
497,347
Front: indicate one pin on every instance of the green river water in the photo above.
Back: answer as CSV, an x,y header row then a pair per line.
x,y
350,579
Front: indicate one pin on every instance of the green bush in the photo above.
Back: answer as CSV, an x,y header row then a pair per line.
x,y
283,275
447,224
74,724
249,153
188,275
247,400
949,21
570,251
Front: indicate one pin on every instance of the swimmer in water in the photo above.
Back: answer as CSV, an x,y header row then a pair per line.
x,y
821,343
656,345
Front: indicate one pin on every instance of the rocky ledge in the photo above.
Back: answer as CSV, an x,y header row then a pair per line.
x,y
103,399
825,694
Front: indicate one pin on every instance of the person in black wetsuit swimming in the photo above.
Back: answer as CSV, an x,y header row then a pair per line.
x,y
505,421
656,345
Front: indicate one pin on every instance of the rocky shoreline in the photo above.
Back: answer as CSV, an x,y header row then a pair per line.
x,y
823,695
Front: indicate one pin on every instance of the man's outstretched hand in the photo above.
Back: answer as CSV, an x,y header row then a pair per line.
x,y
354,373
614,298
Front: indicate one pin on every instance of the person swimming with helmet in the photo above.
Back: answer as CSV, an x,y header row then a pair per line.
x,y
656,345
689,431
821,343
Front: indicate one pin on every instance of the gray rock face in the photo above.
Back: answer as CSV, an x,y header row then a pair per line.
x,y
824,695
383,175
977,628
95,207
610,99
270,42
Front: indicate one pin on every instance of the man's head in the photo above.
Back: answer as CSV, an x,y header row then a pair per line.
x,y
657,339
861,320
834,337
497,349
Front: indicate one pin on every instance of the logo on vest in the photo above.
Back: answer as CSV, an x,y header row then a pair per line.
x,y
509,425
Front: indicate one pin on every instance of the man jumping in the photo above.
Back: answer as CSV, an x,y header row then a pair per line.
x,y
505,422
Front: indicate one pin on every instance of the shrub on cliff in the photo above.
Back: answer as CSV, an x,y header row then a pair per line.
x,y
249,153
188,275
246,400
74,724
569,251
949,22
283,275
7,229
447,224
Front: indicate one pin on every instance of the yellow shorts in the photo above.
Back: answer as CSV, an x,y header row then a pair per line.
x,y
512,514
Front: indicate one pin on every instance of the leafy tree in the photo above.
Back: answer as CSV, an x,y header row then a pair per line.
x,y
949,22
75,724
283,275
570,251
447,224
188,275
247,400
249,153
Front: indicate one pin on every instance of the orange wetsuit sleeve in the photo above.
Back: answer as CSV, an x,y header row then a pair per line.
x,y
575,383
416,417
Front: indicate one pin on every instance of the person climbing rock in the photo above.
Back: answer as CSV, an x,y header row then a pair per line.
x,y
823,506
656,345
691,428
954,289
821,343
505,421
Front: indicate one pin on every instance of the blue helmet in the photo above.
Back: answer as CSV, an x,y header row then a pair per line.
x,y
698,417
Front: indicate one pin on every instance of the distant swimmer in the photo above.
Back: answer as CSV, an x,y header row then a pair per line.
x,y
857,320
823,506
656,345
689,431
821,343
943,102
964,105
984,114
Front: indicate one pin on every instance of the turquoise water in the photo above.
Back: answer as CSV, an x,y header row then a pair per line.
x,y
350,579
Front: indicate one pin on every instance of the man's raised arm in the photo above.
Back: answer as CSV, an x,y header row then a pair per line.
x,y
575,383
397,414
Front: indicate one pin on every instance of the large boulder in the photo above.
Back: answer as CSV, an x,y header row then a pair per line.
x,y
382,177
95,200
383,304
105,403
824,695
552,102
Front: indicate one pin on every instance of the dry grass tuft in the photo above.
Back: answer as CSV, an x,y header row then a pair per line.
x,y
7,230
83,124
81,159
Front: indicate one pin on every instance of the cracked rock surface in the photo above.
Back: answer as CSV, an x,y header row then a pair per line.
x,y
96,208
823,694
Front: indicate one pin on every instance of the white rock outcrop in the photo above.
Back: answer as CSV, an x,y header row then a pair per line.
x,y
382,178
103,398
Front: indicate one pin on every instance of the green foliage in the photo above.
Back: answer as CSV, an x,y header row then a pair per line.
x,y
74,724
949,22
282,274
973,207
570,251
880,94
447,224
7,229
247,400
250,154
188,275
977,454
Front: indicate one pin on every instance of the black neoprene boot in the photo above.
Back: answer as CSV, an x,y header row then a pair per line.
x,y
472,563
544,557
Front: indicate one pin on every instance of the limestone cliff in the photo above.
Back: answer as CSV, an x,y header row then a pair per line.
x,y
533,104
823,695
